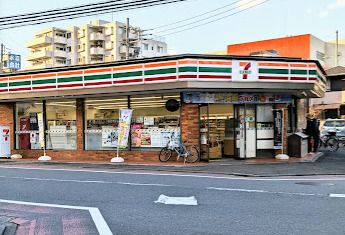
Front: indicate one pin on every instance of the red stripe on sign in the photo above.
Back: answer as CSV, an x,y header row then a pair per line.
x,y
98,83
187,76
21,89
4,90
128,81
313,79
160,78
299,78
273,78
69,85
215,76
43,87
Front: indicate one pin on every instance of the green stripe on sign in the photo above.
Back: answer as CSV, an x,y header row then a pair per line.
x,y
274,71
127,74
3,84
214,70
312,72
298,71
160,71
45,81
70,79
26,83
188,69
97,77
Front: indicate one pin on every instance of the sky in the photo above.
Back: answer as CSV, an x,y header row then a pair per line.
x,y
271,19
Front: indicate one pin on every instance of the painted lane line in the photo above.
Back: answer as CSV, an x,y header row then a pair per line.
x,y
177,175
86,181
336,195
96,215
263,191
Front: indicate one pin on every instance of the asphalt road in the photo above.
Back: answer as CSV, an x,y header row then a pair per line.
x,y
226,205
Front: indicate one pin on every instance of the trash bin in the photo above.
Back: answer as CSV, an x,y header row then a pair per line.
x,y
298,145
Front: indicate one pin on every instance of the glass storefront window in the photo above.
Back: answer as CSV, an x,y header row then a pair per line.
x,y
61,124
102,119
152,123
28,130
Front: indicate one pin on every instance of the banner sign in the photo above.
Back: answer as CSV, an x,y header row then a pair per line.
x,y
109,136
234,98
124,127
278,129
40,130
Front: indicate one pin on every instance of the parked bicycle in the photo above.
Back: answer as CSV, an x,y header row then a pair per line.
x,y
189,153
330,141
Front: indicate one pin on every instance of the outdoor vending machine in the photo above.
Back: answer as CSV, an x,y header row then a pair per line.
x,y
5,142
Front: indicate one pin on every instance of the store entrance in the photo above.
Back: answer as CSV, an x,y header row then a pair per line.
x,y
217,131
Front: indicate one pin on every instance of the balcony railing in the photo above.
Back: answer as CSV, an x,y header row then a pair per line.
x,y
60,40
39,55
96,37
97,51
38,42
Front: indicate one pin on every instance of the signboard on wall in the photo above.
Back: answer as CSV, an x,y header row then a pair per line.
x,y
5,141
234,98
245,70
278,129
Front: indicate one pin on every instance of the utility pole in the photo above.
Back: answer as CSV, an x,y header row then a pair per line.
x,y
2,57
127,39
336,48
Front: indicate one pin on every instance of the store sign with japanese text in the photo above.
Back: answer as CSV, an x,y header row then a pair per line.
x,y
234,98
124,127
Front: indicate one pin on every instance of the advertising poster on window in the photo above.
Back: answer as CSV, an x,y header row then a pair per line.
x,y
40,130
124,126
278,128
136,138
156,138
145,139
109,136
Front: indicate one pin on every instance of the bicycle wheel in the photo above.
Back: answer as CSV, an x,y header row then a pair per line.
x,y
192,154
332,144
165,154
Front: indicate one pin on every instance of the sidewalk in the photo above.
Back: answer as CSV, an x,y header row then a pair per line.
x,y
319,164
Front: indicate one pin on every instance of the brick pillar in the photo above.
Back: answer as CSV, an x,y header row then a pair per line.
x,y
7,119
80,126
190,124
285,123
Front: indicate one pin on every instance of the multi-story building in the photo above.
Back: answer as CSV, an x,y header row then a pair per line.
x,y
304,46
96,42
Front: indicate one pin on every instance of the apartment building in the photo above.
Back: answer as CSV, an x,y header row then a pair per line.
x,y
96,42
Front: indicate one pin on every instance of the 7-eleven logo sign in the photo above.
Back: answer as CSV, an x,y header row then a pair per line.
x,y
245,70
6,134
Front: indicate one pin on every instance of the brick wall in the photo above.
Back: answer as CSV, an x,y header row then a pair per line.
x,y
190,123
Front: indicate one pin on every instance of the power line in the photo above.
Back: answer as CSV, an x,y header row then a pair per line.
x,y
116,8
209,17
209,22
197,16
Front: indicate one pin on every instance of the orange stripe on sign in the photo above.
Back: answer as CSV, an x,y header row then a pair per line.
x,y
121,68
173,63
187,62
274,64
312,66
4,79
97,70
298,65
70,73
19,77
44,75
215,62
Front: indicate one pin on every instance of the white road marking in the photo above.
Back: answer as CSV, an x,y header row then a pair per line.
x,y
179,174
85,181
96,215
336,195
263,191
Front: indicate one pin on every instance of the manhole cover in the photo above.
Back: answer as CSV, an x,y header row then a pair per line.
x,y
315,183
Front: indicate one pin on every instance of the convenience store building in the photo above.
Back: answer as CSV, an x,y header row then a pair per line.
x,y
226,106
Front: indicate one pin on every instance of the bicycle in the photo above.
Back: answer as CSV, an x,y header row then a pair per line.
x,y
189,153
330,141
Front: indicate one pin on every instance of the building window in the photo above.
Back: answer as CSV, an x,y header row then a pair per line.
x,y
152,48
320,56
28,130
146,46
102,119
160,49
152,123
61,124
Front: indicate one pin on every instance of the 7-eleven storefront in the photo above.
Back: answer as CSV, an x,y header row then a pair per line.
x,y
225,106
